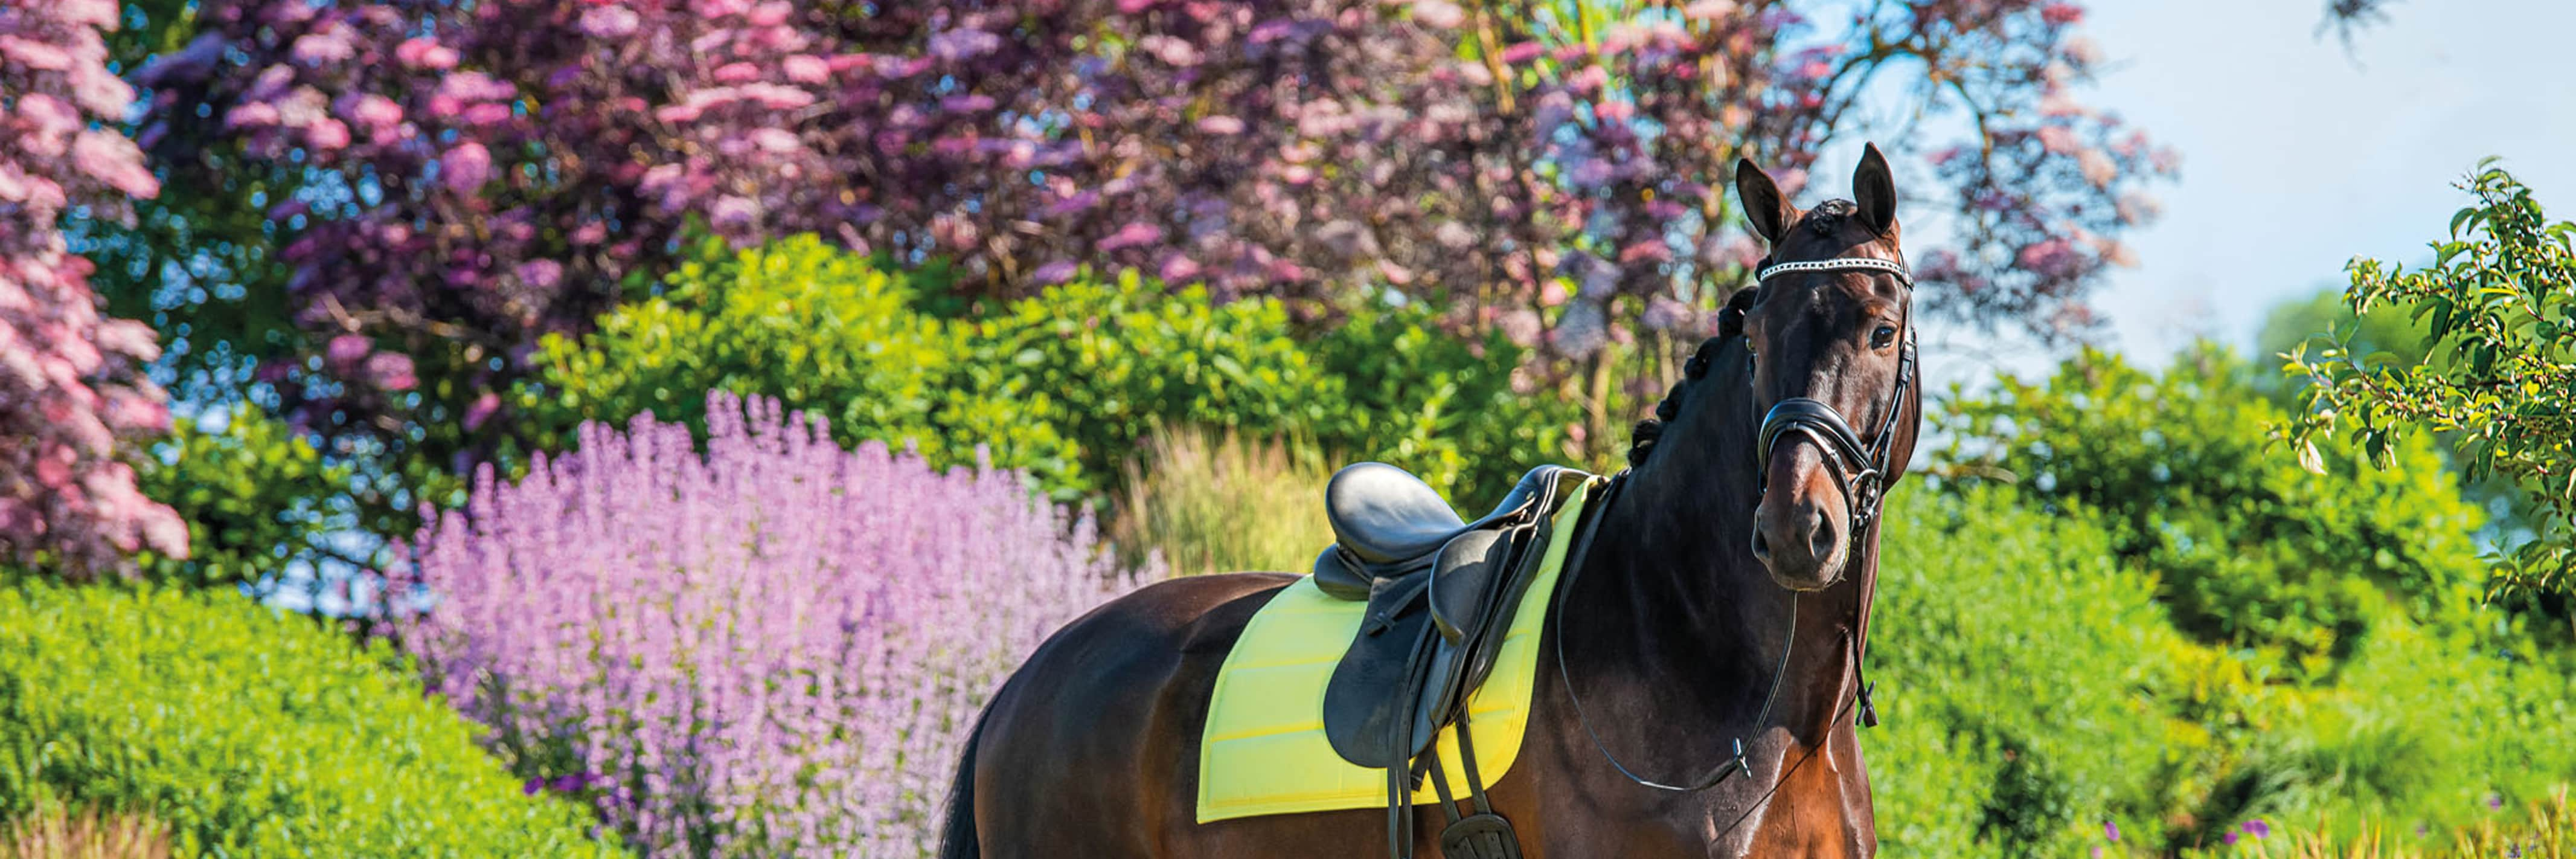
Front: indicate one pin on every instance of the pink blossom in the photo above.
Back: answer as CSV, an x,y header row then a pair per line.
x,y
2061,14
1440,14
1221,125
1708,10
1054,272
328,46
425,53
465,167
805,68
2058,140
2097,167
378,113
609,21
327,135
391,371
33,54
963,44
347,350
1135,233
112,159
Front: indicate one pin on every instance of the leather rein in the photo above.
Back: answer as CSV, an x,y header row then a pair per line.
x,y
1862,468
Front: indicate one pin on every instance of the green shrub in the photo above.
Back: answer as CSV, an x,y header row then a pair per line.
x,y
248,733
2251,550
2499,305
1439,405
1066,384
1213,504
2026,679
256,496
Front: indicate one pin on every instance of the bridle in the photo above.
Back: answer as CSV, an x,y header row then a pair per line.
x,y
1861,468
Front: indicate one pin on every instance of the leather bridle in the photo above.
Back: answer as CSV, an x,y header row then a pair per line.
x,y
1861,469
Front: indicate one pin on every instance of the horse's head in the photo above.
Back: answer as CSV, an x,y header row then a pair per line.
x,y
1832,339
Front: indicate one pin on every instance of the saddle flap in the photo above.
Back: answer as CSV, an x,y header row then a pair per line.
x,y
1464,577
1378,683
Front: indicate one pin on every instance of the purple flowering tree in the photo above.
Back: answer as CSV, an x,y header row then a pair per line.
x,y
771,648
72,392
476,175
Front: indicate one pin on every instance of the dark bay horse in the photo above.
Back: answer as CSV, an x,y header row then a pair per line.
x,y
1724,597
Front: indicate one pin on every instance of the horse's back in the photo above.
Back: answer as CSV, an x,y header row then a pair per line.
x,y
1094,742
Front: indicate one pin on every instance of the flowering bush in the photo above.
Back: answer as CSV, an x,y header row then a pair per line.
x,y
71,387
773,648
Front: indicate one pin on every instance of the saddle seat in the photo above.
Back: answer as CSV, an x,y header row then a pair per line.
x,y
1439,590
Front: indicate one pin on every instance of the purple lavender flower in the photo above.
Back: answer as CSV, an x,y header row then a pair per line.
x,y
2111,830
2257,828
2231,837
774,646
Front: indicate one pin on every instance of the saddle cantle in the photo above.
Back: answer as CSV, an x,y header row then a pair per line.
x,y
1440,590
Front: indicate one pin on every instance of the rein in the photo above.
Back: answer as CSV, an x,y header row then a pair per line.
x,y
1861,469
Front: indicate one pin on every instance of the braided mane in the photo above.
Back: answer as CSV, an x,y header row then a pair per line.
x,y
1730,325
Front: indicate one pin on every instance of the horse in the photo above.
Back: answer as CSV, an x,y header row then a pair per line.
x,y
1715,620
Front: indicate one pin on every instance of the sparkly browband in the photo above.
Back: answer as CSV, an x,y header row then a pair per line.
x,y
1838,264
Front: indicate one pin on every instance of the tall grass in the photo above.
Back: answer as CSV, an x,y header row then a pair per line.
x,y
2547,831
1220,503
54,832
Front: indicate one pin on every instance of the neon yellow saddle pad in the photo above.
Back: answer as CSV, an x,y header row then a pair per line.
x,y
1264,750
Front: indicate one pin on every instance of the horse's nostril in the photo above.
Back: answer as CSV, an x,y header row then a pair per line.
x,y
1821,540
1761,545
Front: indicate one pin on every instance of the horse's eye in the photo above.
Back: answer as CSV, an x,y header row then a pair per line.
x,y
1883,337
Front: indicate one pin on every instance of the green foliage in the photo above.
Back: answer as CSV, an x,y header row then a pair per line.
x,y
2034,688
1066,384
257,498
2027,679
2252,550
2406,340
1442,406
1105,363
1214,504
250,734
2500,303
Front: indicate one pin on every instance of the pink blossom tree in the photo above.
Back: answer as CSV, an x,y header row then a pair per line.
x,y
72,392
457,180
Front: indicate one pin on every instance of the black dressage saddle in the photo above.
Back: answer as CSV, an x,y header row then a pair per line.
x,y
1441,592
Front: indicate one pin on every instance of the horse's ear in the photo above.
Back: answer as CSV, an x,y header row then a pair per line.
x,y
1769,212
1874,188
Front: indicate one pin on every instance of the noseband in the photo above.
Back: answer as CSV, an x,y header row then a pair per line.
x,y
1862,469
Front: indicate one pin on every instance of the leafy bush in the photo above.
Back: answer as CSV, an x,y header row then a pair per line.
x,y
770,649
1221,504
257,498
2500,304
1444,407
250,734
1065,385
2251,550
2295,646
2027,680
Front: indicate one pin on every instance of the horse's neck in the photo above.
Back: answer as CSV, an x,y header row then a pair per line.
x,y
1679,630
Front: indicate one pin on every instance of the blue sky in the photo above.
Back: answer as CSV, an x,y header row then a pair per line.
x,y
2298,156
